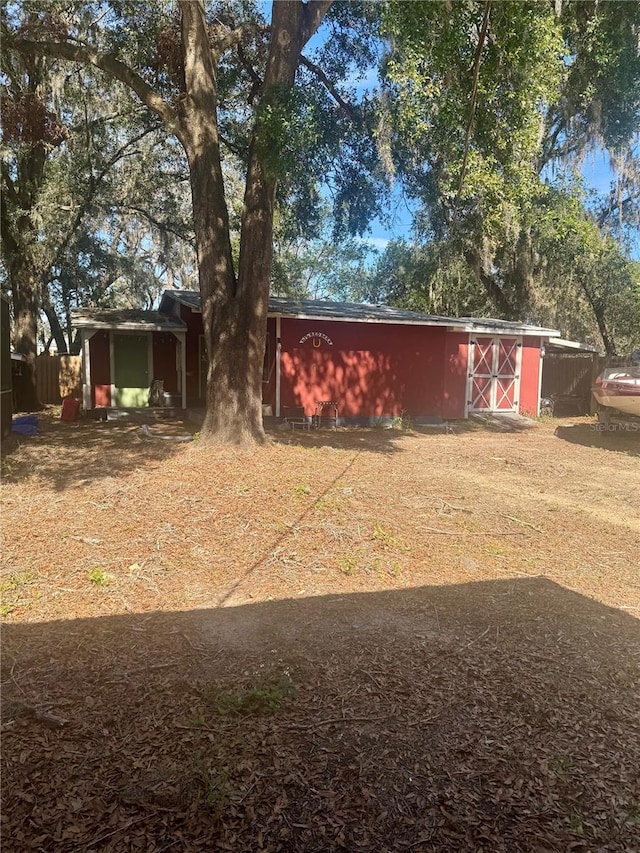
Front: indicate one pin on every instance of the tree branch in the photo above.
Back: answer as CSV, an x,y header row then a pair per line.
x,y
92,189
313,13
621,206
103,120
240,153
231,38
474,96
10,186
199,62
253,74
320,74
108,63
162,226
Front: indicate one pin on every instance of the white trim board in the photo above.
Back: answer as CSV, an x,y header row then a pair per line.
x,y
278,350
86,369
444,322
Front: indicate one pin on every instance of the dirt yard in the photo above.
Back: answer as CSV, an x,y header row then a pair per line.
x,y
364,640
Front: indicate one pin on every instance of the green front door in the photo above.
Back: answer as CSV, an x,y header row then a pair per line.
x,y
131,370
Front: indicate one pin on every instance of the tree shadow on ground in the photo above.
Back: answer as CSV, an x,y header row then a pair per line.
x,y
73,455
388,440
498,715
616,439
507,422
373,440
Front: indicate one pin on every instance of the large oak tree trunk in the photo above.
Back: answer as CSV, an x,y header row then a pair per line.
x,y
226,417
19,245
25,330
234,310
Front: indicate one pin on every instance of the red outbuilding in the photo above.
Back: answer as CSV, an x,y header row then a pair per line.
x,y
372,361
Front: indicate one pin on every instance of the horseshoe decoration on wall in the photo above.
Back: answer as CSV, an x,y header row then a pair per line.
x,y
316,339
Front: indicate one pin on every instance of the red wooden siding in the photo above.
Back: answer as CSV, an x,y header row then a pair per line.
x,y
530,376
195,329
192,355
269,373
369,369
164,360
456,358
100,362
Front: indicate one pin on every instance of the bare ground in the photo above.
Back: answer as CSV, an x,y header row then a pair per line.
x,y
361,640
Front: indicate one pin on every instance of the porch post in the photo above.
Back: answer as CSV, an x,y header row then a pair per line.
x,y
517,383
182,337
112,370
183,349
541,351
468,401
278,349
86,369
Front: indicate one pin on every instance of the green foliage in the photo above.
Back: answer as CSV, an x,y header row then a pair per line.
x,y
11,589
98,577
481,177
600,100
383,537
15,581
478,101
347,564
482,99
588,286
429,277
263,698
403,422
123,183
212,786
323,267
102,210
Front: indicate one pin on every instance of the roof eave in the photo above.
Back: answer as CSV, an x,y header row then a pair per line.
x,y
127,327
176,296
483,329
400,321
562,343
444,322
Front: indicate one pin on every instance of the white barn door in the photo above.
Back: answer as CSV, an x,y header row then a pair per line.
x,y
493,383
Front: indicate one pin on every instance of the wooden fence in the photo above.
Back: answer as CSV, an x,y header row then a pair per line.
x,y
58,376
6,399
571,375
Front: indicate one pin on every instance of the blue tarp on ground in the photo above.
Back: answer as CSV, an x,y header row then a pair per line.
x,y
25,425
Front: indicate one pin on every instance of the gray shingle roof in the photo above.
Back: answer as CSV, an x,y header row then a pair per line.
x,y
346,311
356,311
125,318
190,298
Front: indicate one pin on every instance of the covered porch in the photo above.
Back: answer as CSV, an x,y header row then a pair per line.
x,y
132,359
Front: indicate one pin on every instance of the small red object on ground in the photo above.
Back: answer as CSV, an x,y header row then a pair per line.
x,y
70,409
